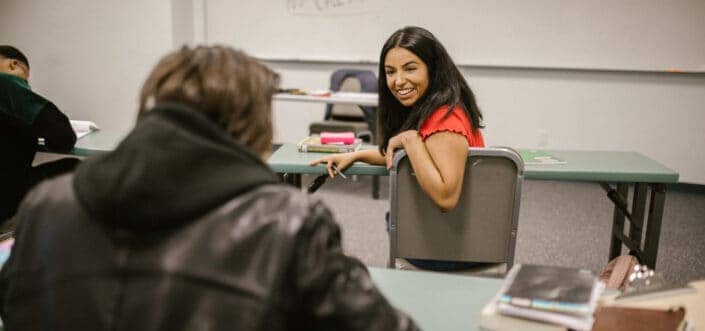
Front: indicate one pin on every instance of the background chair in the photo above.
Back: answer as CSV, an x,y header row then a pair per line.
x,y
342,117
482,227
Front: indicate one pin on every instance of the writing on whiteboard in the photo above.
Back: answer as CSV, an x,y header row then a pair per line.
x,y
328,7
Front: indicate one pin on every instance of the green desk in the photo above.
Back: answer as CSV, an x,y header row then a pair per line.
x,y
96,142
592,166
615,171
437,301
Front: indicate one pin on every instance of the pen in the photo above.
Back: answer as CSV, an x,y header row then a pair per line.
x,y
339,172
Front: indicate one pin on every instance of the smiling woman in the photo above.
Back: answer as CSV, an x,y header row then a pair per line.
x,y
426,108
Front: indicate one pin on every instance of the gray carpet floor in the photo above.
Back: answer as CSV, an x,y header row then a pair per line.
x,y
560,223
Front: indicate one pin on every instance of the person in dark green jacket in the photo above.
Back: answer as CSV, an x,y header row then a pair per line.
x,y
26,116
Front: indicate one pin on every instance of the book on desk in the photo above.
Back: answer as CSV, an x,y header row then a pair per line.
x,y
554,298
82,128
313,144
660,305
636,319
544,298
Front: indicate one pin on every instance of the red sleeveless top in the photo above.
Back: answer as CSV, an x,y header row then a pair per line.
x,y
457,121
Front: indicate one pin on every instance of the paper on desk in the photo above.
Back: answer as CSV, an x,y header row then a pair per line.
x,y
538,157
82,128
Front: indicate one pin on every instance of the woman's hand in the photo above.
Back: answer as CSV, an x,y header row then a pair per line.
x,y
339,160
398,142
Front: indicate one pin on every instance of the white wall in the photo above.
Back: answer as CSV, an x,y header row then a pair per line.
x,y
605,34
89,57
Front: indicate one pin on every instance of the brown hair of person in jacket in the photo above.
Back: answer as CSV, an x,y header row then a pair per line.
x,y
225,84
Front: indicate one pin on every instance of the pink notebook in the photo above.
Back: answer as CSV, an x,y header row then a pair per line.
x,y
345,138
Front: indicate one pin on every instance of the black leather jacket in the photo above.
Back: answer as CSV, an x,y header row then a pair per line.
x,y
137,240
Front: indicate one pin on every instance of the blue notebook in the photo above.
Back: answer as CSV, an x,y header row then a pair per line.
x,y
5,249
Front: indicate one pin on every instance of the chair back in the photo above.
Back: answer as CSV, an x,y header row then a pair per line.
x,y
352,80
482,227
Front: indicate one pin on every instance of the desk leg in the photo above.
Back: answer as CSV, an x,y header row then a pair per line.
x,y
291,179
637,221
653,225
638,209
618,223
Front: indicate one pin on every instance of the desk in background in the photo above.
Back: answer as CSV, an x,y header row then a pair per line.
x,y
605,167
96,142
615,171
347,98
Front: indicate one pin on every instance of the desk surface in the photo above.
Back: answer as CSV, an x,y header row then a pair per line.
x,y
96,142
437,301
350,98
599,166
288,159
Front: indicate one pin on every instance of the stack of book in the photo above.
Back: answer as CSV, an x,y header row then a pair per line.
x,y
330,142
544,298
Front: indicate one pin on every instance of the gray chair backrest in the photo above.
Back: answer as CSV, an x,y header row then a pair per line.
x,y
348,84
482,227
352,80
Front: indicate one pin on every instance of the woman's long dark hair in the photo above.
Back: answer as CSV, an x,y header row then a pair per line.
x,y
446,87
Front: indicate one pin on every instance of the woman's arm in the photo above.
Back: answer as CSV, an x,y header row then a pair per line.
x,y
344,160
371,156
439,163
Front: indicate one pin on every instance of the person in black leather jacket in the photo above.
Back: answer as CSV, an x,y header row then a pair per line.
x,y
184,227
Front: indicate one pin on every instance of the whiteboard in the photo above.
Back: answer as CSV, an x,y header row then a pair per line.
x,y
642,35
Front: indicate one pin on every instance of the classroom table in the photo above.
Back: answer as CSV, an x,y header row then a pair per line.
x,y
347,98
437,301
614,171
96,142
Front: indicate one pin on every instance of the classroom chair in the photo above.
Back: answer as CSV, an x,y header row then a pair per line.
x,y
341,117
358,119
482,227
